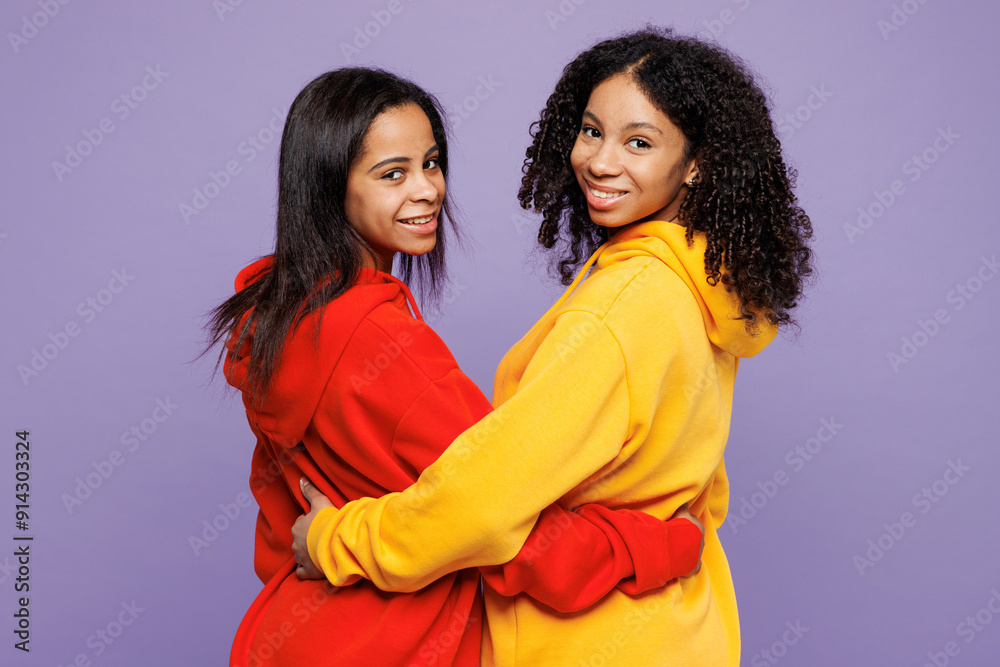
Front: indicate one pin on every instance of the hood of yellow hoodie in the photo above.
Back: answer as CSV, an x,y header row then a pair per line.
x,y
719,308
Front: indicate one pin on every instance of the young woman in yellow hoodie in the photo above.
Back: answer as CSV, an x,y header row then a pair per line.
x,y
656,157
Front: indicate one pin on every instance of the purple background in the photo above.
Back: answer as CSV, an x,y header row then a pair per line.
x,y
856,101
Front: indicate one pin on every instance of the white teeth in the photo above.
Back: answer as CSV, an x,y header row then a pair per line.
x,y
418,221
605,195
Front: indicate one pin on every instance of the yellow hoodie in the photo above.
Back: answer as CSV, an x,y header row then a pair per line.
x,y
622,395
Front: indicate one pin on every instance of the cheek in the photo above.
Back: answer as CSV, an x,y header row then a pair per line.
x,y
440,185
659,181
361,206
352,209
578,158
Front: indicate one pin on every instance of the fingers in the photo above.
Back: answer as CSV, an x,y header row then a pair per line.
x,y
308,490
313,496
684,512
305,568
308,571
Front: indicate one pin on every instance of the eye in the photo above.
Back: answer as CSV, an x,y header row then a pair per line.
x,y
638,143
590,131
392,175
432,163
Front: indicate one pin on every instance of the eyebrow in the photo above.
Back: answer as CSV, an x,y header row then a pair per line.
x,y
402,160
638,125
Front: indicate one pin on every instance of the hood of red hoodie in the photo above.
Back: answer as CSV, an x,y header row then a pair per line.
x,y
719,307
305,364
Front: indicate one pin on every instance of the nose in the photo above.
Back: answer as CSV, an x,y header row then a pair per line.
x,y
423,188
605,160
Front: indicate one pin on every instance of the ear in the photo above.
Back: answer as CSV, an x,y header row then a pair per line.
x,y
692,171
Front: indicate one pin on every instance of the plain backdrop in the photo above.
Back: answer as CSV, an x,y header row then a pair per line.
x,y
139,175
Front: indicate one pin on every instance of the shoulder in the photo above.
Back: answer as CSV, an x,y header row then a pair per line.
x,y
390,336
647,309
639,291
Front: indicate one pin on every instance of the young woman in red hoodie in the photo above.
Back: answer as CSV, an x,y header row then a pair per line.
x,y
344,384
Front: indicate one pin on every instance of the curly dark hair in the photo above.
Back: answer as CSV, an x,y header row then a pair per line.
x,y
742,201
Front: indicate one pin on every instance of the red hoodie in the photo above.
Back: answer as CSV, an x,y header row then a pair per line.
x,y
361,412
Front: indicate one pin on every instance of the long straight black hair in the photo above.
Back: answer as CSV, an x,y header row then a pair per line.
x,y
317,253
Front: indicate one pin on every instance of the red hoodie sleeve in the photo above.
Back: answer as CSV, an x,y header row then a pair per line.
x,y
571,559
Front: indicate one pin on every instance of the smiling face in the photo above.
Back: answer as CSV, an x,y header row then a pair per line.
x,y
629,157
395,188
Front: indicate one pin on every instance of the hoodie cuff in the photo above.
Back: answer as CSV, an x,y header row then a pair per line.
x,y
684,545
674,549
323,518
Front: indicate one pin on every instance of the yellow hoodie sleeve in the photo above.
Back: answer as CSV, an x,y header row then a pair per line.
x,y
477,503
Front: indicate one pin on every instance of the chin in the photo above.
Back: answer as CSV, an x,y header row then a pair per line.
x,y
420,252
611,222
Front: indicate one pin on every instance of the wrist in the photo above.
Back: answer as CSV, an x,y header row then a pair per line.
x,y
315,534
685,545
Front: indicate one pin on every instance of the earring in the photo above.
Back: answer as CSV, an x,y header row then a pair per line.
x,y
691,183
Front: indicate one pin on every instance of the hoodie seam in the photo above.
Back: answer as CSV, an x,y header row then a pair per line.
x,y
403,351
614,300
602,318
430,381
402,417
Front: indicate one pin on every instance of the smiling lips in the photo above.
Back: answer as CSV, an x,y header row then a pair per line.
x,y
602,198
417,221
424,224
